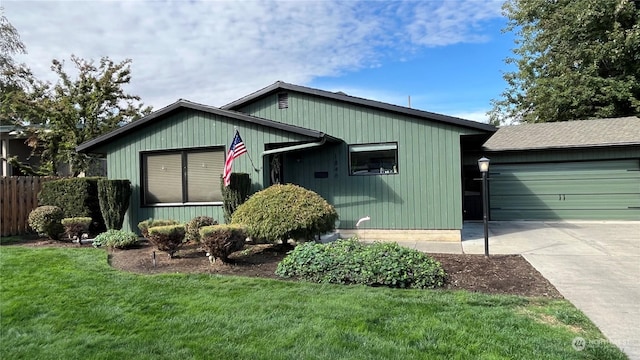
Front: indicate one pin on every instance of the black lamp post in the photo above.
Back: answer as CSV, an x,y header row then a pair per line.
x,y
483,164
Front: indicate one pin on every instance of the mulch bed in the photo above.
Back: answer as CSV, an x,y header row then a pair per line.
x,y
497,274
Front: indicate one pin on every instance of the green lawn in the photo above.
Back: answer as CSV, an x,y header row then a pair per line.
x,y
67,303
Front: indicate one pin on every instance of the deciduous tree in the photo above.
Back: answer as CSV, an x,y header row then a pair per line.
x,y
574,59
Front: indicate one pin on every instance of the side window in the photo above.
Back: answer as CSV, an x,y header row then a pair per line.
x,y
182,176
373,159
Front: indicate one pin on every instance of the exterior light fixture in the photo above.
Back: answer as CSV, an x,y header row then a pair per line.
x,y
483,165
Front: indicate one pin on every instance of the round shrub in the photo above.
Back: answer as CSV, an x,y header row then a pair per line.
x,y
283,212
118,239
47,220
167,238
351,262
193,227
220,241
146,224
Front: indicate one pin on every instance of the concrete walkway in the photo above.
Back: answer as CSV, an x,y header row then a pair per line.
x,y
595,265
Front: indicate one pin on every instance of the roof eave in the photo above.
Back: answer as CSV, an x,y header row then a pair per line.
x,y
562,147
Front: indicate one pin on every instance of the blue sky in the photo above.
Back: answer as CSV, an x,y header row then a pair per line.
x,y
447,55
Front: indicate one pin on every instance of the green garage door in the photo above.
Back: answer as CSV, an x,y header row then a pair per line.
x,y
593,190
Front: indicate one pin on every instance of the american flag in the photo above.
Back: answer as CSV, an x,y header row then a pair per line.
x,y
236,149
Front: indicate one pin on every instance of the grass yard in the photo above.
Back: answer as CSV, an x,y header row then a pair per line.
x,y
68,303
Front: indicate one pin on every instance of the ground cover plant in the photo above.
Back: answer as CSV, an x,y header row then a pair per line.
x,y
352,262
196,316
119,239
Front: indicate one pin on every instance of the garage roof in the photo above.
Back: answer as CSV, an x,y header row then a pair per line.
x,y
567,134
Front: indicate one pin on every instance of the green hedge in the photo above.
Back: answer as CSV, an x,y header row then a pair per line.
x,y
77,197
113,196
194,225
283,212
220,241
146,224
75,227
235,194
167,238
351,262
47,220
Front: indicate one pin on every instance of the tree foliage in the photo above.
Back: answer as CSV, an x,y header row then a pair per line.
x,y
575,60
76,110
59,117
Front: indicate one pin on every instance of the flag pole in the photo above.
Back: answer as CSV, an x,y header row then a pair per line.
x,y
235,128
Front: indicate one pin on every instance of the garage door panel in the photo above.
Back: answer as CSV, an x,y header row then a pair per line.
x,y
567,186
580,190
565,201
559,214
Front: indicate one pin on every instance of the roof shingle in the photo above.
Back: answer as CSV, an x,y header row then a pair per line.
x,y
567,134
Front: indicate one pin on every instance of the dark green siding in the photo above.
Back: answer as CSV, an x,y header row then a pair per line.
x,y
586,190
187,129
425,194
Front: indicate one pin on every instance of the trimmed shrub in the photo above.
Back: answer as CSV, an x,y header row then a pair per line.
x,y
146,224
235,194
118,239
351,262
75,227
220,241
167,238
282,212
113,198
77,197
193,227
46,221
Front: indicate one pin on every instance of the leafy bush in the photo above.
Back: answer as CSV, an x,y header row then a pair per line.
x,y
351,262
220,241
75,227
282,212
46,220
235,194
119,239
194,225
146,224
77,197
113,198
167,238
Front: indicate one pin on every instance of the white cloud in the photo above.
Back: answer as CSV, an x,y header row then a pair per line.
x,y
479,116
217,51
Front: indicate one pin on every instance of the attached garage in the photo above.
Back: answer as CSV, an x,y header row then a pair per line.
x,y
586,190
577,170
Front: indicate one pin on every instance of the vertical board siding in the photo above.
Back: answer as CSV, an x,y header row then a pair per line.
x,y
187,129
426,194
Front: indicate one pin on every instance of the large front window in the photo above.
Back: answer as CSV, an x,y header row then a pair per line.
x,y
182,176
373,159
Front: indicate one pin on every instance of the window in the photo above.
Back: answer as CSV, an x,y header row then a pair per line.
x,y
185,176
283,101
373,159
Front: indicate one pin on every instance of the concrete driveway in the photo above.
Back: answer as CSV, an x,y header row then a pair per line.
x,y
595,265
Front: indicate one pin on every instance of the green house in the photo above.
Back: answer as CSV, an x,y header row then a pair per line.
x,y
402,167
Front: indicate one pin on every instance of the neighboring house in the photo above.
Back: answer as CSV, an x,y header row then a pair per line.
x,y
574,170
12,141
400,166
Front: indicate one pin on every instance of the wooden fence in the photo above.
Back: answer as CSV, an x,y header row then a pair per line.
x,y
18,196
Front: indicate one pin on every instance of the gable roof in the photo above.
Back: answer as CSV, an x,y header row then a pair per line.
x,y
567,134
279,86
185,104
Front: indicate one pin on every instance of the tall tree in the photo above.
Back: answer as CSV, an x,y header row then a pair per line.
x,y
75,110
14,77
575,60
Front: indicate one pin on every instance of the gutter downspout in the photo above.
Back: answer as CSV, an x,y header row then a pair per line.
x,y
295,147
